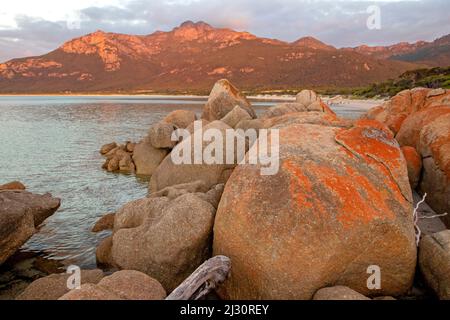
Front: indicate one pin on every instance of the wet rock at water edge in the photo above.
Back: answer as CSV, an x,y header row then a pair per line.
x,y
21,212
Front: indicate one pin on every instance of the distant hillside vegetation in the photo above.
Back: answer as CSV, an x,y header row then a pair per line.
x,y
428,78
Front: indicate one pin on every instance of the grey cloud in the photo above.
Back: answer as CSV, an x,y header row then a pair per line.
x,y
340,23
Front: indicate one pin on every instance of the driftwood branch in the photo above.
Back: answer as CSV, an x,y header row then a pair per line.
x,y
419,216
418,232
206,278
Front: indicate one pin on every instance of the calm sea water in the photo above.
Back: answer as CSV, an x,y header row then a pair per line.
x,y
51,144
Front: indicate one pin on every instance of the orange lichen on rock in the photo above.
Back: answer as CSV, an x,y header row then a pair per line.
x,y
352,192
435,141
356,195
366,123
414,165
377,147
300,186
371,144
420,118
329,210
409,133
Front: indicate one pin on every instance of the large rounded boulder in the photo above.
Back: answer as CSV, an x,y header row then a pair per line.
x,y
170,172
340,202
166,239
396,110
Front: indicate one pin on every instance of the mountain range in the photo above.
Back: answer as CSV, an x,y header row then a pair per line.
x,y
192,56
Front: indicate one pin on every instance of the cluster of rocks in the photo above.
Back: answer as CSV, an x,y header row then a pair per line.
x,y
340,203
121,285
166,235
420,120
21,213
144,157
119,157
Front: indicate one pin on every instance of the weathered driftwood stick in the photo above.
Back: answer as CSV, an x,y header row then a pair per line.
x,y
207,277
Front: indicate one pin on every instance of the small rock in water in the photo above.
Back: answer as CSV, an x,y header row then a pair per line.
x,y
108,147
14,185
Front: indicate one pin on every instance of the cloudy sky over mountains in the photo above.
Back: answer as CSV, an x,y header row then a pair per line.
x,y
30,27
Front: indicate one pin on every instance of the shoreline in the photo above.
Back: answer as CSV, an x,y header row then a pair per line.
x,y
337,100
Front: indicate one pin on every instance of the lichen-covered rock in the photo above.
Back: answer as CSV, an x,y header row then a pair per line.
x,y
409,133
426,127
434,262
338,293
20,213
434,146
396,110
222,99
121,285
340,202
414,165
54,286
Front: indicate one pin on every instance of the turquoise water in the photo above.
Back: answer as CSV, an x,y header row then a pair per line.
x,y
51,144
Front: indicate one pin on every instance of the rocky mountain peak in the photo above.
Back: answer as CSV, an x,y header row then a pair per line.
x,y
195,25
312,43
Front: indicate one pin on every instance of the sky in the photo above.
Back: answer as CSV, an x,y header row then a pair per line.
x,y
30,27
